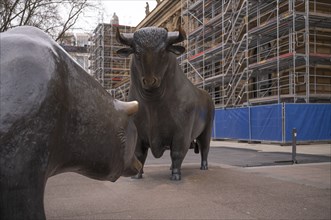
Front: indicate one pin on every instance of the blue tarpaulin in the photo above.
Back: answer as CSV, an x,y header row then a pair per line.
x,y
312,121
231,123
266,122
274,122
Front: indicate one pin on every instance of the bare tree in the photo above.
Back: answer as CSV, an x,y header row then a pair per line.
x,y
44,14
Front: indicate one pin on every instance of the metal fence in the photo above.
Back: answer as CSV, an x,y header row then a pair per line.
x,y
274,123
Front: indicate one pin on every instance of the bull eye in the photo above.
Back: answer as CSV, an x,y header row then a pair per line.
x,y
164,55
138,52
138,56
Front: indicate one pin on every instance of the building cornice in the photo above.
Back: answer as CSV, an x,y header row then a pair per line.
x,y
161,13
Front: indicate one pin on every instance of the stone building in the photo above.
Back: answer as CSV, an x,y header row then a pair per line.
x,y
109,69
76,45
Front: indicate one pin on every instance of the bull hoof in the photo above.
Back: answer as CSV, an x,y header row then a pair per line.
x,y
138,176
175,177
204,165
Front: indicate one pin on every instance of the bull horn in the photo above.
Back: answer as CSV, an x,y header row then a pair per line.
x,y
177,36
128,107
123,38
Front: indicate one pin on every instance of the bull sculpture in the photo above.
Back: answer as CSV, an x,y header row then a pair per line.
x,y
173,113
55,118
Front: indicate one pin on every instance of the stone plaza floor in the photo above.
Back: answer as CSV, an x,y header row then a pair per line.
x,y
246,181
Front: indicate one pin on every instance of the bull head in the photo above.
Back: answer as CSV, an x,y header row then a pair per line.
x,y
172,38
153,52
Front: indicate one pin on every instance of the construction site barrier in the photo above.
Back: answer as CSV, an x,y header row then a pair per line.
x,y
274,123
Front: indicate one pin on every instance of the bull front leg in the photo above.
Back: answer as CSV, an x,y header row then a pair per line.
x,y
19,201
178,153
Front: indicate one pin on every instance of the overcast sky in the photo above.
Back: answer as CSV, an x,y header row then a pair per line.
x,y
129,12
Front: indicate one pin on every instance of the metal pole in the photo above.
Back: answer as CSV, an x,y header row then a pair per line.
x,y
203,44
223,55
278,75
283,106
294,145
307,50
249,123
246,54
294,52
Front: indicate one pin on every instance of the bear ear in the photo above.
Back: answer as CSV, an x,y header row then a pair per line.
x,y
178,50
124,52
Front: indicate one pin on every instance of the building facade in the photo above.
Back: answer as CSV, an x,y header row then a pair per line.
x,y
247,52
76,44
109,69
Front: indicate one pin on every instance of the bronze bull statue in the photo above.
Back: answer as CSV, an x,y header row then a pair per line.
x,y
173,113
55,118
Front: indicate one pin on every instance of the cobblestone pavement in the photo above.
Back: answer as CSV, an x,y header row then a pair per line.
x,y
241,183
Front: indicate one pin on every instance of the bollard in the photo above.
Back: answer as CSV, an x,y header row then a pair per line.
x,y
294,145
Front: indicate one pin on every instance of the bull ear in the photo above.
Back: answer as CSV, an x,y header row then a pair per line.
x,y
176,49
124,52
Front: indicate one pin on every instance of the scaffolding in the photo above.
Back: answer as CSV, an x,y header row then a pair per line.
x,y
251,52
109,69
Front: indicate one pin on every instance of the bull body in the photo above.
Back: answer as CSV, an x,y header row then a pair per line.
x,y
173,113
55,118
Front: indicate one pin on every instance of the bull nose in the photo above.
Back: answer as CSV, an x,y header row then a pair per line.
x,y
149,81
